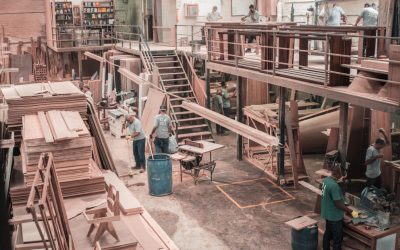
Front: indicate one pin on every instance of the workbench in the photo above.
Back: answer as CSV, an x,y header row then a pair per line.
x,y
190,157
375,239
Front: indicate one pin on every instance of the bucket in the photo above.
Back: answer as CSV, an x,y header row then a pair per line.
x,y
305,239
159,174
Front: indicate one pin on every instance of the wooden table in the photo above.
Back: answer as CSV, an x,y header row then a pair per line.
x,y
190,158
373,238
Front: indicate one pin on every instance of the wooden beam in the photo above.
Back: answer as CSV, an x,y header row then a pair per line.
x,y
246,131
343,128
94,57
335,93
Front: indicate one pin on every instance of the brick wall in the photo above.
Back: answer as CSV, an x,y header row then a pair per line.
x,y
22,19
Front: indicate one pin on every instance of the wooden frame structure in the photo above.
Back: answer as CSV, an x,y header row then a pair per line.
x,y
46,188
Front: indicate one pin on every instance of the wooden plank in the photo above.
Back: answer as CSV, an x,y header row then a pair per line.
x,y
58,126
301,222
311,187
48,136
237,127
154,100
129,204
394,73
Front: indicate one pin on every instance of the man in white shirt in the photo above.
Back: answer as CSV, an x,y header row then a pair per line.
x,y
253,17
214,15
336,14
373,160
369,16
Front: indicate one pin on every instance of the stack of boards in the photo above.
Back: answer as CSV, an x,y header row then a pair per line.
x,y
29,99
65,135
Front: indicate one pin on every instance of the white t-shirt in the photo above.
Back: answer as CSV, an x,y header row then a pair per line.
x,y
213,16
373,169
370,16
335,16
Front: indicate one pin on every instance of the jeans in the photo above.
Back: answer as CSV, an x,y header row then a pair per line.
x,y
161,145
334,232
138,153
377,182
219,128
227,112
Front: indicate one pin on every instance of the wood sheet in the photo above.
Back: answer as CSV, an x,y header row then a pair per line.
x,y
152,107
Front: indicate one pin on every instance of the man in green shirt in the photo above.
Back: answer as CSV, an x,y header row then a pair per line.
x,y
332,210
226,100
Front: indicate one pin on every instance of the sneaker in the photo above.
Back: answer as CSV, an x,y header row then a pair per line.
x,y
248,50
142,170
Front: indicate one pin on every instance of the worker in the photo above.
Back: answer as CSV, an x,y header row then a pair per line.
x,y
332,210
217,106
226,99
373,5
139,141
254,17
162,128
335,15
310,15
214,15
373,160
369,16
87,92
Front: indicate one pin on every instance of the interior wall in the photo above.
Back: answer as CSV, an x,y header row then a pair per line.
x,y
22,19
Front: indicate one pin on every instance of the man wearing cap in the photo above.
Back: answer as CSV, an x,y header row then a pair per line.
x,y
162,128
139,141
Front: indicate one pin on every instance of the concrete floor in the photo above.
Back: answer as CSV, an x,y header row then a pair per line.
x,y
202,217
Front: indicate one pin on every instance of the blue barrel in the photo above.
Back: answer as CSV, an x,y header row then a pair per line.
x,y
305,239
159,174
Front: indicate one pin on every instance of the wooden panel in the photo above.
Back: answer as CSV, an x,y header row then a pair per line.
x,y
267,53
303,56
342,46
256,93
154,100
284,54
394,73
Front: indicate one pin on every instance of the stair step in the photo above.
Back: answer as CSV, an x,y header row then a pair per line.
x,y
176,86
183,112
181,92
166,62
175,79
178,67
191,119
173,73
178,99
193,126
194,134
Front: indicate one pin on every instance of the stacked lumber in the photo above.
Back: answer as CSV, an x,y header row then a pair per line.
x,y
65,135
30,99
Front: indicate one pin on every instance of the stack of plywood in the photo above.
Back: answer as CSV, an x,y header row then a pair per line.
x,y
65,135
32,98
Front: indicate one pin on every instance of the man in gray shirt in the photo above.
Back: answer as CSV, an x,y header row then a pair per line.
x,y
162,128
336,14
254,17
373,160
214,15
139,141
369,16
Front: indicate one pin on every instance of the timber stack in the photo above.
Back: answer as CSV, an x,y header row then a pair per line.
x,y
29,99
65,135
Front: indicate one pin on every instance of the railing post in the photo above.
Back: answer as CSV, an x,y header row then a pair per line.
x,y
176,37
140,43
326,61
209,47
273,52
236,48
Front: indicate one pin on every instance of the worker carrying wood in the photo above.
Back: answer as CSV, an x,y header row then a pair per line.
x,y
332,210
162,128
139,141
373,160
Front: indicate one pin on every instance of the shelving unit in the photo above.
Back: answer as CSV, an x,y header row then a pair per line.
x,y
98,13
63,13
98,18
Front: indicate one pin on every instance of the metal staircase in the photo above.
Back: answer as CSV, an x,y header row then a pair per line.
x,y
174,80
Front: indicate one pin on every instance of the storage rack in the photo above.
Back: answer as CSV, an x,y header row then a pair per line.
x,y
63,13
98,16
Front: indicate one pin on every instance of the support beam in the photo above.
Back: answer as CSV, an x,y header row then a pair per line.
x,y
282,126
253,134
335,93
239,115
343,132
